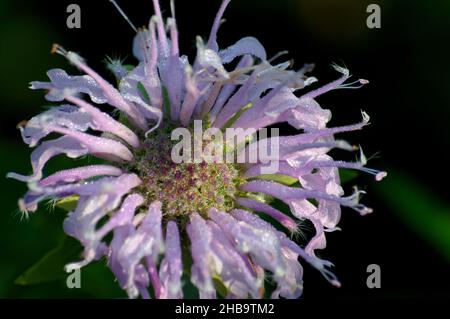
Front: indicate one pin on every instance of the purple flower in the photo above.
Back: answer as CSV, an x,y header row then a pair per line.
x,y
196,219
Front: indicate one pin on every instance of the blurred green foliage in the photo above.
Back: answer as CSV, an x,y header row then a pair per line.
x,y
425,213
51,266
34,249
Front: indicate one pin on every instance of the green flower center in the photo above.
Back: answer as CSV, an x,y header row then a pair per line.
x,y
186,187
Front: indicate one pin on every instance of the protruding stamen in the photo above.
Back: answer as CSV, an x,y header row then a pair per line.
x,y
21,124
160,27
217,21
158,123
172,8
72,57
124,15
341,69
354,84
153,43
278,55
365,116
57,49
173,36
379,175
331,86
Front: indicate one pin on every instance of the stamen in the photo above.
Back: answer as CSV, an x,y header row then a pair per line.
x,y
330,277
361,83
72,57
379,175
124,15
153,44
56,48
331,86
173,36
341,69
316,134
21,124
278,55
306,68
172,8
217,21
160,27
353,202
158,123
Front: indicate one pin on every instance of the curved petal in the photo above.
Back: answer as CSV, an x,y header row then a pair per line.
x,y
99,146
247,45
235,272
289,194
82,223
257,206
212,41
203,263
61,81
105,123
65,116
47,150
289,285
105,185
129,90
171,268
112,95
261,244
80,173
208,58
146,241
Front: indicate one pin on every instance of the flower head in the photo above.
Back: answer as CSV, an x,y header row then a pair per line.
x,y
205,216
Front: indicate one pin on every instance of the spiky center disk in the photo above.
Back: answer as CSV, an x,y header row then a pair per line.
x,y
187,187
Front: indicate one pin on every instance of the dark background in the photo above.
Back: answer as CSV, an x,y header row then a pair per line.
x,y
408,99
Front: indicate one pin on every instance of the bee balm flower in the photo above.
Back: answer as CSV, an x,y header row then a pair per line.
x,y
159,211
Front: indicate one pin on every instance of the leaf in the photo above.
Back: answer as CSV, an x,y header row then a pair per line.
x,y
98,281
419,208
129,67
124,120
51,266
220,286
166,102
143,92
237,115
279,178
68,203
189,290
